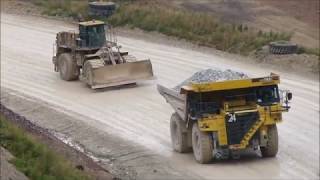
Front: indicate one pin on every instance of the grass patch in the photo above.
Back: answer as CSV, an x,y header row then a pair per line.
x,y
200,28
313,51
64,8
34,159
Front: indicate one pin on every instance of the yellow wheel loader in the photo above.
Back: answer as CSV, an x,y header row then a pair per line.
x,y
96,59
221,119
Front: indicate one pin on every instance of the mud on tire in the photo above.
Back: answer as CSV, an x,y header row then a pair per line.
x,y
180,135
202,145
271,149
68,68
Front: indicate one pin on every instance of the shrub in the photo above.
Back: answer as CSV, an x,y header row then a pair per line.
x,y
34,159
197,27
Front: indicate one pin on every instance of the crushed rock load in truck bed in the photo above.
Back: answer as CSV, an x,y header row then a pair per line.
x,y
212,75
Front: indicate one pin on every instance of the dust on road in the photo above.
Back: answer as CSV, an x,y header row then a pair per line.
x,y
140,115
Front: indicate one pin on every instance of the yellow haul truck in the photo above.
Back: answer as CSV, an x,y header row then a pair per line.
x,y
221,119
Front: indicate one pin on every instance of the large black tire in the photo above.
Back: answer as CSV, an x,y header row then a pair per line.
x,y
180,135
68,68
271,149
98,8
202,145
87,73
283,47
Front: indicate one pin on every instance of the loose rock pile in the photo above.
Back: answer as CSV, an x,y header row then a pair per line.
x,y
212,75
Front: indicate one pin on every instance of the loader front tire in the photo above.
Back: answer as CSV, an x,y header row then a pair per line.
x,y
68,69
179,135
202,145
271,149
87,72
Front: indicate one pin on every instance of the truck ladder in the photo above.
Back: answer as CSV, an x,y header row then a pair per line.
x,y
245,141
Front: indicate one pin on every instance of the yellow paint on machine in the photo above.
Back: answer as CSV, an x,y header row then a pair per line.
x,y
273,79
216,123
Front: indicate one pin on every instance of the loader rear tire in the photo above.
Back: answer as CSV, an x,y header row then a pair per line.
x,y
202,145
180,136
271,149
68,68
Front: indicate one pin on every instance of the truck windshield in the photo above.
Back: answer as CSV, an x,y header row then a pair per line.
x,y
267,95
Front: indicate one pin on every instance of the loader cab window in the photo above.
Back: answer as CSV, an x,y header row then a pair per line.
x,y
82,32
267,95
83,35
96,36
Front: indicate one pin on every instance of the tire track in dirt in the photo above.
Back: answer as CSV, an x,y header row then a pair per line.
x,y
140,114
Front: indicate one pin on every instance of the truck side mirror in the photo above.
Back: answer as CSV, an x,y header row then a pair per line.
x,y
289,95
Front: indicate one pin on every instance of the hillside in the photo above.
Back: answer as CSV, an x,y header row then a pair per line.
x,y
300,17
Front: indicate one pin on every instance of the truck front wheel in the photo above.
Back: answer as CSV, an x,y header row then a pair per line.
x,y
271,149
202,145
67,67
179,134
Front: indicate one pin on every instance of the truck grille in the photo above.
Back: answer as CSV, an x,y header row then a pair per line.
x,y
238,125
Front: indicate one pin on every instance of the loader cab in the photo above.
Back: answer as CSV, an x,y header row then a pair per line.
x,y
91,34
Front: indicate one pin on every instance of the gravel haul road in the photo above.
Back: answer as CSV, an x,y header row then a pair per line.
x,y
141,116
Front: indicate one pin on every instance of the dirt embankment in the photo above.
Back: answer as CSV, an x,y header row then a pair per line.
x,y
7,170
78,159
297,16
139,115
255,13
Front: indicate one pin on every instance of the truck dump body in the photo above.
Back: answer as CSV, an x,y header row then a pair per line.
x,y
178,99
175,99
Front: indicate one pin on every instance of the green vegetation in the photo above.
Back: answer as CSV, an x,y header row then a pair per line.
x,y
199,28
64,8
34,159
304,50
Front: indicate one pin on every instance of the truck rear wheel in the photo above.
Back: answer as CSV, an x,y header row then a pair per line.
x,y
202,145
180,136
68,69
271,149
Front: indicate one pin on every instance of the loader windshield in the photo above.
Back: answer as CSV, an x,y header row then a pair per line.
x,y
96,36
93,35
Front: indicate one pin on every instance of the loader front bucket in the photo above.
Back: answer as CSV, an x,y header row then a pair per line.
x,y
120,74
